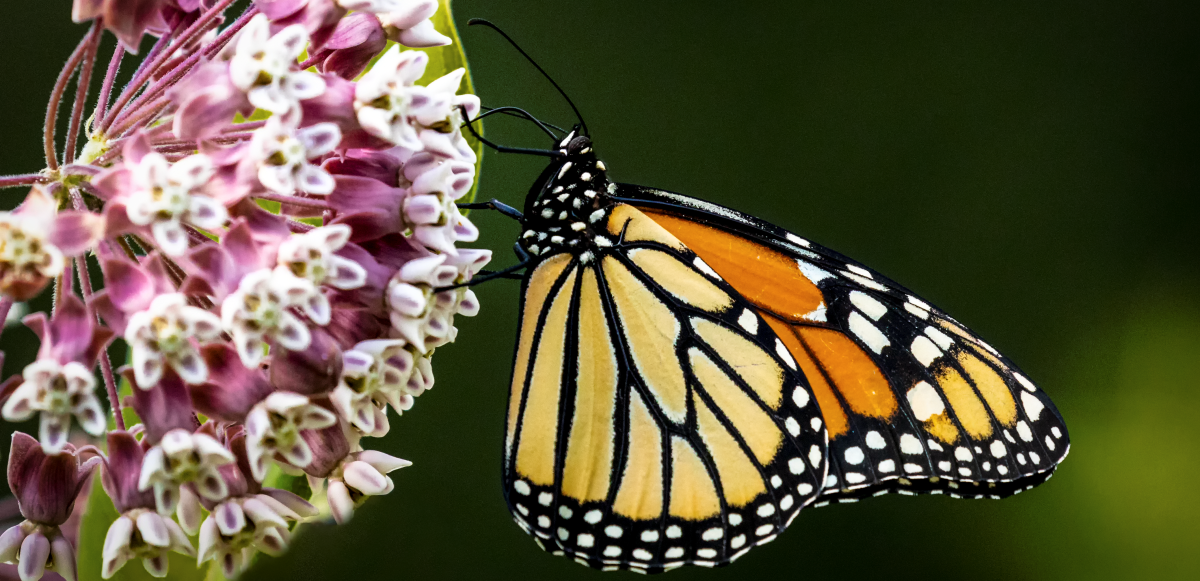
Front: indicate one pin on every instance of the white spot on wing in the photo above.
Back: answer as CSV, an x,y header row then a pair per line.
x,y
916,311
859,270
875,441
1033,406
924,350
800,396
942,340
864,281
812,272
817,314
909,444
887,466
1024,431
796,239
925,402
783,354
854,455
868,305
1025,382
522,487
748,321
705,268
997,449
868,333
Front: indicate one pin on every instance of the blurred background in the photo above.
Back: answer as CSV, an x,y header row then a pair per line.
x,y
1029,167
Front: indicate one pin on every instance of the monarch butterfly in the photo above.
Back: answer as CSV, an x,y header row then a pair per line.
x,y
687,378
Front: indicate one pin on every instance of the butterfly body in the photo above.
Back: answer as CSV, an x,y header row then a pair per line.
x,y
687,378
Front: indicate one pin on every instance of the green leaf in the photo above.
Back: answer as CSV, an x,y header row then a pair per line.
x,y
97,517
442,60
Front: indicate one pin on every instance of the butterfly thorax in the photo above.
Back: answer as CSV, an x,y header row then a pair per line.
x,y
566,209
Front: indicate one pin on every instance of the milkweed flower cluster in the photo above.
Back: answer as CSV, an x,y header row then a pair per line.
x,y
280,250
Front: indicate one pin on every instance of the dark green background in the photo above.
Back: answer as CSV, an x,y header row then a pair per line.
x,y
1029,167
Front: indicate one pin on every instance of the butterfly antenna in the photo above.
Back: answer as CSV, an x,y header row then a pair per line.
x,y
501,148
488,24
521,114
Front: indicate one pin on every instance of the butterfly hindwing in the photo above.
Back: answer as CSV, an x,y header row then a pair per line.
x,y
655,417
912,400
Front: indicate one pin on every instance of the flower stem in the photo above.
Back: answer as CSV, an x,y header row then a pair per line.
x,y
155,60
299,227
110,383
81,91
85,284
60,87
114,66
138,117
139,78
18,180
295,201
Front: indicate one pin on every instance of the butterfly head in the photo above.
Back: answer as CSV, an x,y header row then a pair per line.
x,y
565,207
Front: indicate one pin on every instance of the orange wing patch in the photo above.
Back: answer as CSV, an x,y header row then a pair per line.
x,y
766,277
773,282
831,361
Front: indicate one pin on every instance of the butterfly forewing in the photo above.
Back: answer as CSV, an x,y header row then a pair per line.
x,y
655,417
911,399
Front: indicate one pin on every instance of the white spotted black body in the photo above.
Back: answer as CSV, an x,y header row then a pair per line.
x,y
567,207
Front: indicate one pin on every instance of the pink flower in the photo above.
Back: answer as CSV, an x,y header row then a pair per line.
x,y
376,374
281,152
264,67
46,486
59,385
421,315
355,41
363,475
127,19
384,97
274,427
409,24
35,239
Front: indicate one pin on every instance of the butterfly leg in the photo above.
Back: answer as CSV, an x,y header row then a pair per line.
x,y
506,273
496,205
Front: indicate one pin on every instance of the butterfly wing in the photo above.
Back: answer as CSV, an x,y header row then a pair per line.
x,y
655,418
912,400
